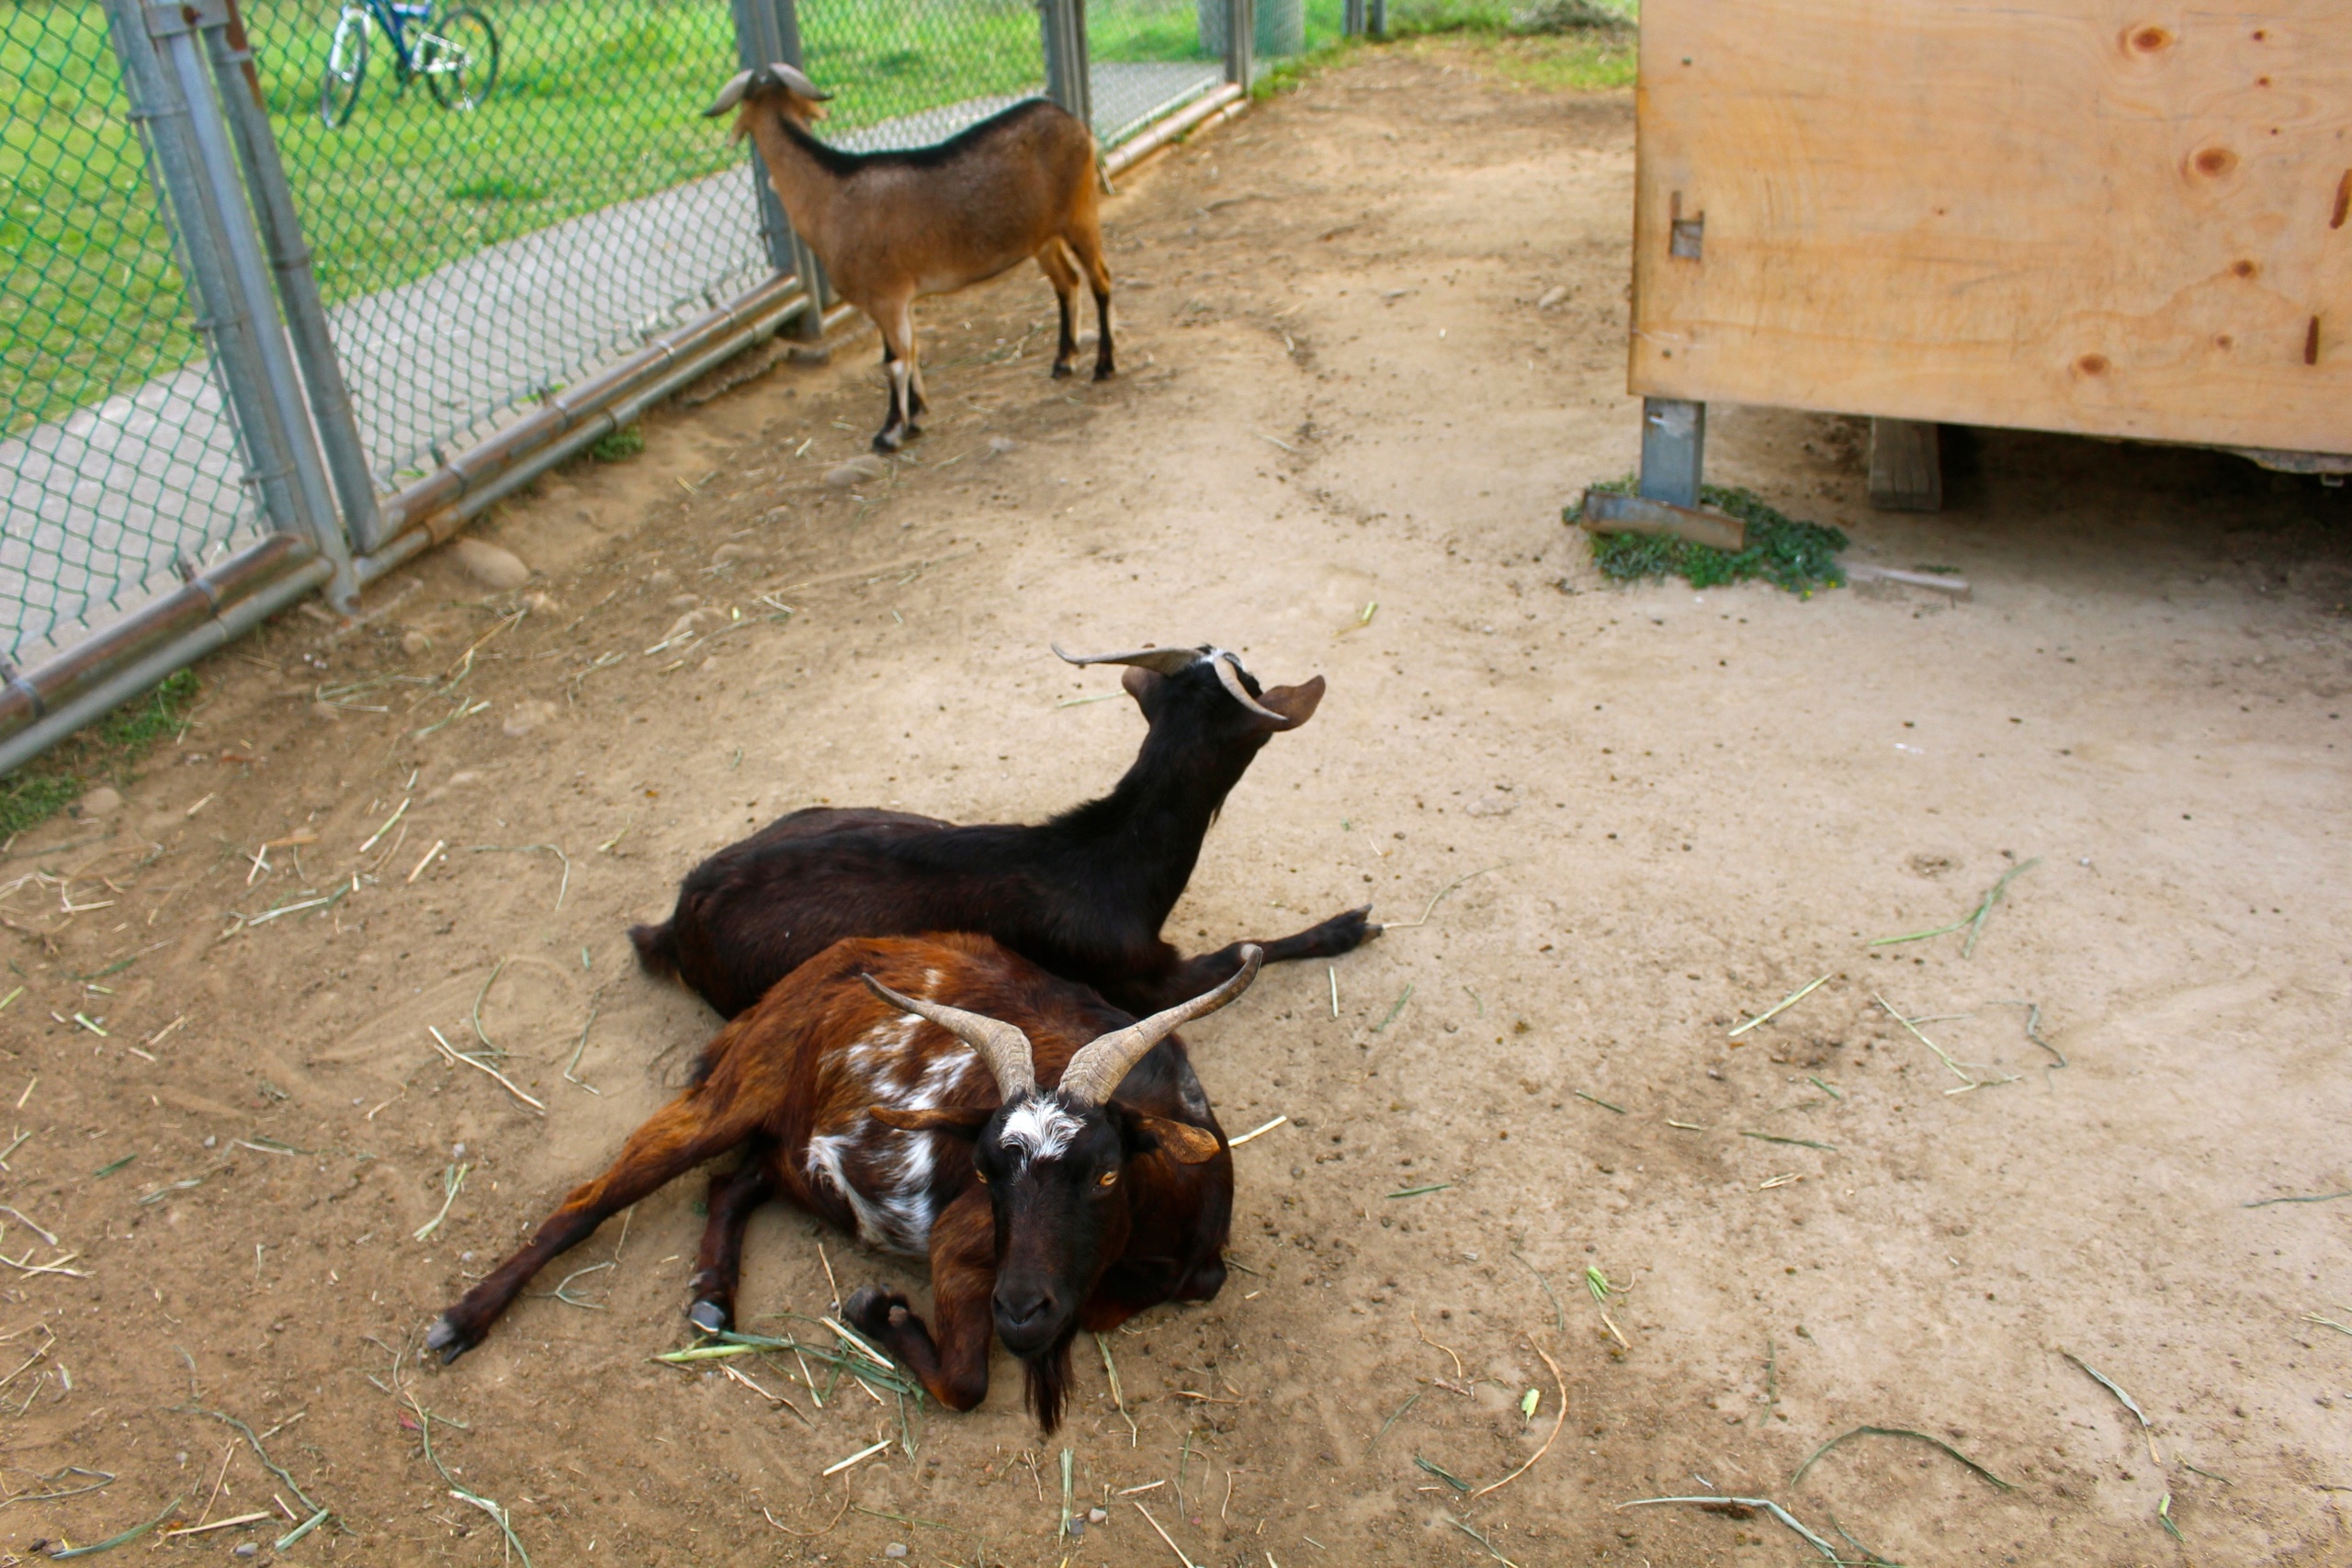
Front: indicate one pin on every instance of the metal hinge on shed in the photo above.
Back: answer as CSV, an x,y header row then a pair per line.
x,y
1684,236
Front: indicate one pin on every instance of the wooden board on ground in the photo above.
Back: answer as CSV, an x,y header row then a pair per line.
x,y
2068,215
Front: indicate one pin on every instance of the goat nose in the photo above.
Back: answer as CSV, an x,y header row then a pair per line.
x,y
1024,1309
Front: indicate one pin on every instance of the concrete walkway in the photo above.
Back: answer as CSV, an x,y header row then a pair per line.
x,y
95,509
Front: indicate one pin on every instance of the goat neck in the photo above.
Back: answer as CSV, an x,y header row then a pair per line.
x,y
1151,824
796,167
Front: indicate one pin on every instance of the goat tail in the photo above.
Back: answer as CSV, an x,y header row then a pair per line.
x,y
657,949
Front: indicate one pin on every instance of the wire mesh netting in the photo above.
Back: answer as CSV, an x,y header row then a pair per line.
x,y
909,73
118,469
499,195
1147,57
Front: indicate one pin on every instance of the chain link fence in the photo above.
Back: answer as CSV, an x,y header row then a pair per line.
x,y
120,473
294,287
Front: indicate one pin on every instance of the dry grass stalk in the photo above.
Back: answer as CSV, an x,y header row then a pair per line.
x,y
1557,1422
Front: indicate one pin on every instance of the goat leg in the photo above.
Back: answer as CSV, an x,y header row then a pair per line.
x,y
953,1367
735,1196
1340,933
678,1137
1104,368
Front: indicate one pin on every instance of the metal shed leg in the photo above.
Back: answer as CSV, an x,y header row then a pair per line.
x,y
1906,466
1674,450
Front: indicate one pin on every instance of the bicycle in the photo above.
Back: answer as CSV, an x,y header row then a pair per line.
x,y
456,55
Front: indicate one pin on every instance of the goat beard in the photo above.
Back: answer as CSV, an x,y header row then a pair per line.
x,y
1046,1381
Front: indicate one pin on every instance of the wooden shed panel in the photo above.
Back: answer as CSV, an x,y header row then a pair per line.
x,y
2060,214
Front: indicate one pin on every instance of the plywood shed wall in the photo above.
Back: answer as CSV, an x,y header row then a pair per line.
x,y
2055,214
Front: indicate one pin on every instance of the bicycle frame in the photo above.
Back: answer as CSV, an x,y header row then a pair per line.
x,y
392,19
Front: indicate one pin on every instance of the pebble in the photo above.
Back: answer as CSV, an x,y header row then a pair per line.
x,y
686,602
489,565
857,471
1552,295
245,1549
102,801
727,553
416,644
1000,444
896,1548
1098,1516
526,717
661,580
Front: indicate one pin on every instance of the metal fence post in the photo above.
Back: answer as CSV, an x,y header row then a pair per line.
x,y
1674,450
174,29
222,318
1241,41
1376,18
768,32
297,287
1062,25
1352,19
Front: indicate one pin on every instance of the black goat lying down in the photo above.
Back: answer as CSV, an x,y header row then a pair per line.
x,y
1082,895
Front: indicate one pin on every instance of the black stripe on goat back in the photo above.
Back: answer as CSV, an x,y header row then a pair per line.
x,y
840,162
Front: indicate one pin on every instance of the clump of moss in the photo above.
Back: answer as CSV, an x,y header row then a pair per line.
x,y
104,752
1799,557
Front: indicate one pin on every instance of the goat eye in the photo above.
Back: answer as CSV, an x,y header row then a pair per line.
x,y
1108,1178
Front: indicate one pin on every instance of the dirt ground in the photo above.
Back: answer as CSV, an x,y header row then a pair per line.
x,y
1671,809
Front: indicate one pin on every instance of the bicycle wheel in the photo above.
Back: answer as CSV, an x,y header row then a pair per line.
x,y
346,70
459,59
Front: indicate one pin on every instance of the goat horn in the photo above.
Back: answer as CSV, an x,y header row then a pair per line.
x,y
730,96
793,77
1097,1069
1159,660
1003,1047
1229,673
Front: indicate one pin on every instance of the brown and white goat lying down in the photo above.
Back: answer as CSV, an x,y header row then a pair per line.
x,y
896,1088
891,227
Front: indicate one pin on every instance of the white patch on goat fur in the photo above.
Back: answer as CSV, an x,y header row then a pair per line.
x,y
1040,1128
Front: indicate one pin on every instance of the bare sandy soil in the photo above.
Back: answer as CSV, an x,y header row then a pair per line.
x,y
1671,809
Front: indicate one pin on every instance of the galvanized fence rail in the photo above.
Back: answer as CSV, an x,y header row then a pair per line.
x,y
294,289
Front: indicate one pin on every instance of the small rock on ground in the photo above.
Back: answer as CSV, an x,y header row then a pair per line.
x,y
492,567
857,470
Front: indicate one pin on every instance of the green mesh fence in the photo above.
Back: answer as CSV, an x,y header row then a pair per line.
x,y
118,467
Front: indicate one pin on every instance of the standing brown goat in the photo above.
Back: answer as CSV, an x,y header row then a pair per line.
x,y
858,1088
891,227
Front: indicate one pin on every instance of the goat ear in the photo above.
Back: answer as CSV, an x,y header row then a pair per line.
x,y
1140,682
957,1121
1296,703
1184,1144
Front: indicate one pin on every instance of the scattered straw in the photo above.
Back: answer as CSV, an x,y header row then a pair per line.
x,y
1474,1535
379,832
508,1084
862,1454
1958,1070
1780,1007
1163,1534
2147,1428
1559,1317
1394,1418
1973,921
1776,1138
1723,1505
453,1181
1442,1474
1118,1396
1414,1314
1796,1480
1597,1100
1557,1422
1442,895
124,1539
1401,1000
2313,1197
1257,1132
1420,1192
2325,1322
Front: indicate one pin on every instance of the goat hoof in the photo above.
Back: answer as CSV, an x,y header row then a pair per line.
x,y
1104,372
446,1337
888,441
869,1308
709,1316
1063,371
